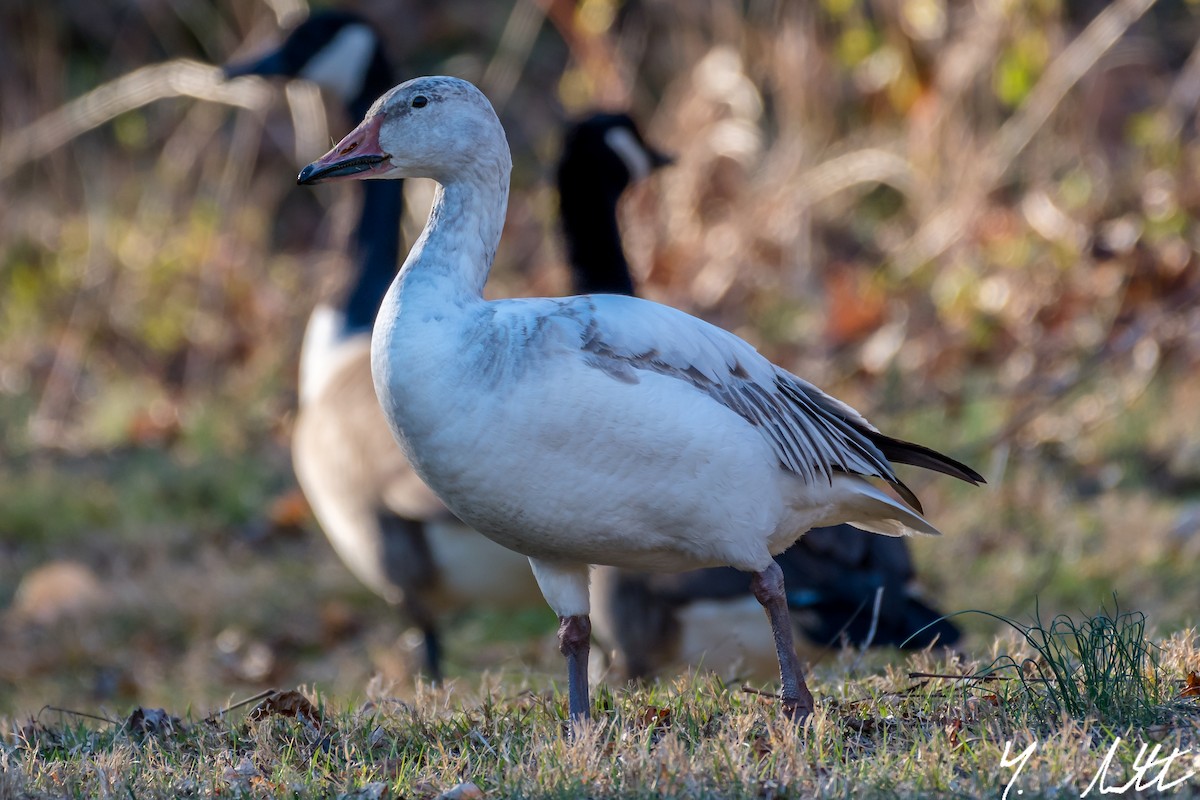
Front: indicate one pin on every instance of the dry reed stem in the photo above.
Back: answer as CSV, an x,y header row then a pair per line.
x,y
947,225
869,165
179,78
512,53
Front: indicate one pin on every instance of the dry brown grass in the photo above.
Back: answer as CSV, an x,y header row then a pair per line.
x,y
874,735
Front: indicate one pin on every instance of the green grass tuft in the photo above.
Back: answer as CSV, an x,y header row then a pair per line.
x,y
1100,667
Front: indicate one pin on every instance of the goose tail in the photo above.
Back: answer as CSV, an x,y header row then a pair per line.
x,y
864,506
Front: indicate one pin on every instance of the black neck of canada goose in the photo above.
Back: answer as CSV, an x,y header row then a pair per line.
x,y
602,155
376,253
342,53
377,241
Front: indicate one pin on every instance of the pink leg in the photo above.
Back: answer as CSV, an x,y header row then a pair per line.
x,y
574,642
768,589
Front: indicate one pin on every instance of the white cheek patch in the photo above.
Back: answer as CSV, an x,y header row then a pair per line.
x,y
622,142
341,65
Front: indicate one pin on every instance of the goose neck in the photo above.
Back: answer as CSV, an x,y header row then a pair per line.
x,y
593,238
458,245
376,252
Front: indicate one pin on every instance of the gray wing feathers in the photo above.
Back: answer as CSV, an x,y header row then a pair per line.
x,y
813,434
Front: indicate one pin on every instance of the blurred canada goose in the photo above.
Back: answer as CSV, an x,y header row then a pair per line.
x,y
602,155
597,429
651,622
707,618
342,53
388,528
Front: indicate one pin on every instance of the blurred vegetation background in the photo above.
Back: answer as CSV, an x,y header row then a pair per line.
x,y
974,221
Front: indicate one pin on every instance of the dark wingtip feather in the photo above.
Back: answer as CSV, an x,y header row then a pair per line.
x,y
917,455
907,495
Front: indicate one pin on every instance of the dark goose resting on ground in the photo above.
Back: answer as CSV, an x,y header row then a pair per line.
x,y
599,429
389,529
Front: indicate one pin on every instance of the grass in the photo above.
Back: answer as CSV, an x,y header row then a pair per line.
x,y
1101,666
881,735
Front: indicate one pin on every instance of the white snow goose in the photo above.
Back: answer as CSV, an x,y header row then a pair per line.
x,y
598,429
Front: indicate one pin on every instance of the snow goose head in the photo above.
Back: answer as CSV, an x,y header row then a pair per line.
x,y
436,127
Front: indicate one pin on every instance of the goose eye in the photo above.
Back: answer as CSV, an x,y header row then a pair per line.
x,y
420,101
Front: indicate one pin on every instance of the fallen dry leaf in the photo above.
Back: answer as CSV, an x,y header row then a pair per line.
x,y
652,715
863,726
1192,686
1157,733
243,771
286,704
952,732
761,746
151,722
421,789
289,511
262,785
464,791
